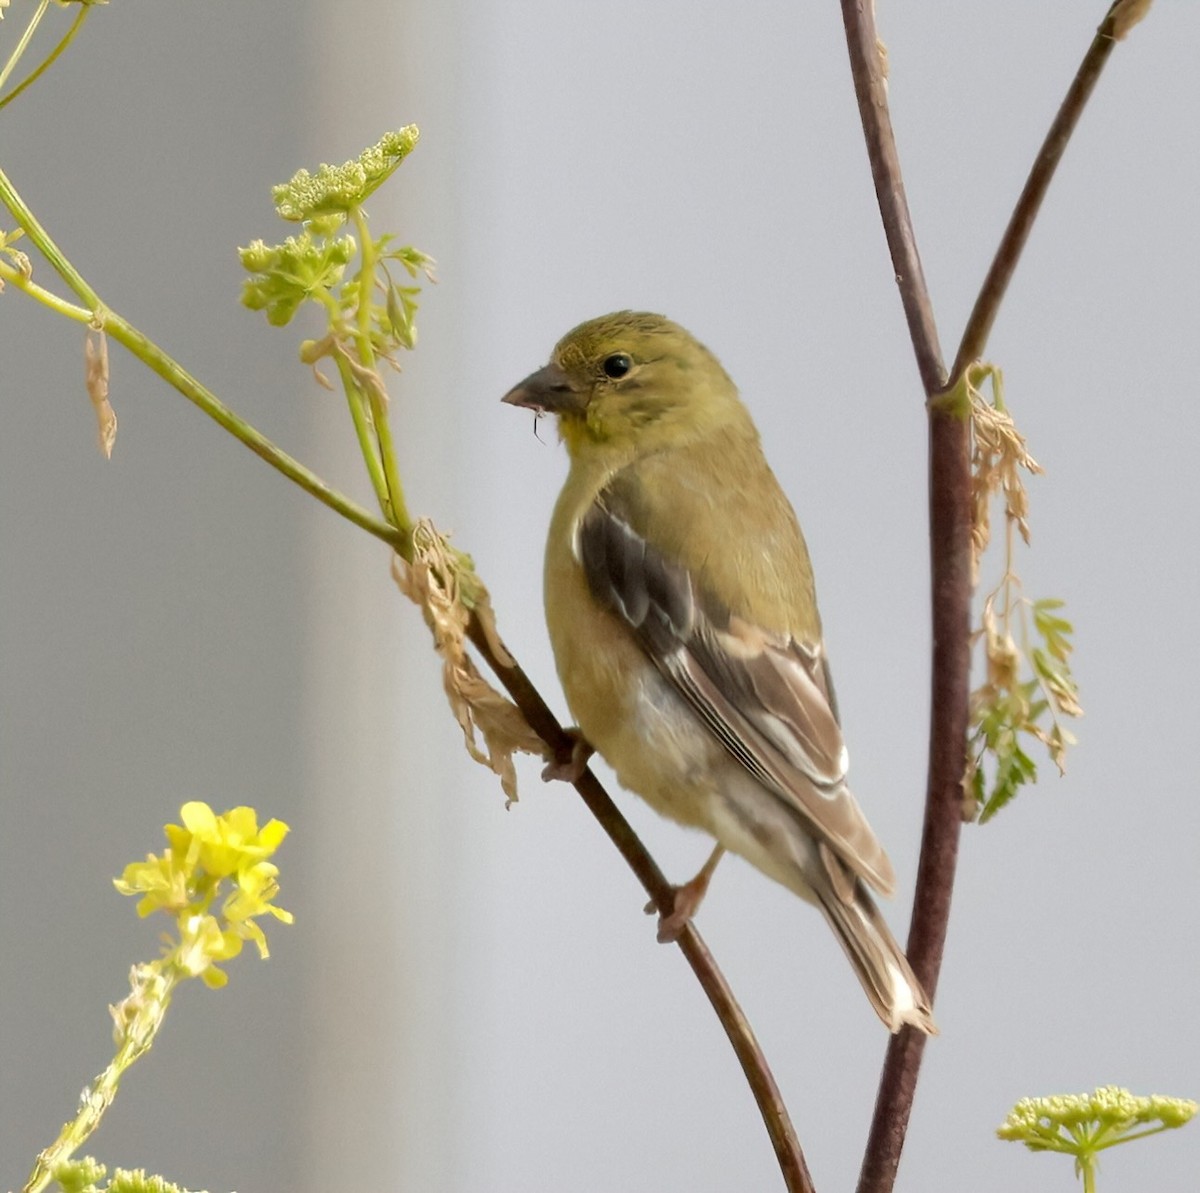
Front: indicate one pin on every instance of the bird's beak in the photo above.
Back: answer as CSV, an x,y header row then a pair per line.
x,y
548,391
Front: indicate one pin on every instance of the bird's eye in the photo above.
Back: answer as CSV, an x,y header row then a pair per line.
x,y
617,365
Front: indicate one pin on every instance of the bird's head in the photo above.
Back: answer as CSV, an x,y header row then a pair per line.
x,y
630,381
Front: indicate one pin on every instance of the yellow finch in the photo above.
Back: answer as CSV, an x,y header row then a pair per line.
x,y
681,608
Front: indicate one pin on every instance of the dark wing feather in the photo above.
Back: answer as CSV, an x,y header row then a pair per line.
x,y
765,697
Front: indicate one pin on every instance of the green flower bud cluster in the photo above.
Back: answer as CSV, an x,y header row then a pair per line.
x,y
1081,1125
368,313
285,275
369,316
85,1175
337,190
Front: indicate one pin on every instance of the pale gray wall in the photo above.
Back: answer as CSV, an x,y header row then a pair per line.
x,y
471,999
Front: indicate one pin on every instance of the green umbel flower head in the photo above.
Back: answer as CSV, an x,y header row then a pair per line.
x,y
1082,1125
335,190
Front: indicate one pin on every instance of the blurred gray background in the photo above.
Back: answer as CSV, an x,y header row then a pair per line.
x,y
471,998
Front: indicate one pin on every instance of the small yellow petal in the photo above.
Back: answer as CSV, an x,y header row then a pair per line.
x,y
199,819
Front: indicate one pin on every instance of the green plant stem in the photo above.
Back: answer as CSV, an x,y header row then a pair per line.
x,y
23,44
179,378
737,1028
98,1097
400,517
1130,1138
356,403
175,375
376,397
67,38
367,444
41,238
1087,1169
366,287
58,305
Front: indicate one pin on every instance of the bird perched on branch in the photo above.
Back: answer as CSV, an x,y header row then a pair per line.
x,y
681,608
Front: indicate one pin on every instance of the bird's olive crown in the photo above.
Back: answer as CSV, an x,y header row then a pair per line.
x,y
618,346
634,371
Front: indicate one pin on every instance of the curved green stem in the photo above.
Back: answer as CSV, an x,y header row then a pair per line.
x,y
400,516
1087,1169
60,306
98,1097
1099,1147
23,44
356,403
360,387
376,397
67,38
179,378
362,430
366,281
41,238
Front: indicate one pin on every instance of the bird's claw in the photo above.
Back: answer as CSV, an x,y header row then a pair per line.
x,y
671,926
686,900
569,765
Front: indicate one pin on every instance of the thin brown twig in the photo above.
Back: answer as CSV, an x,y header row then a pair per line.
x,y
949,532
542,720
950,566
870,89
1012,243
737,1027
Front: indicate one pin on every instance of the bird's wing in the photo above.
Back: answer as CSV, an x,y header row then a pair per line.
x,y
764,696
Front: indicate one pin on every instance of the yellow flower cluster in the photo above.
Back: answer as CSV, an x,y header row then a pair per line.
x,y
211,858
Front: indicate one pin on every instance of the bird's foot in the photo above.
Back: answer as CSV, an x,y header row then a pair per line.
x,y
569,764
687,900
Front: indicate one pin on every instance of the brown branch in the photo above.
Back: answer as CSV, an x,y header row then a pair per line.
x,y
949,527
949,532
1012,243
870,89
737,1027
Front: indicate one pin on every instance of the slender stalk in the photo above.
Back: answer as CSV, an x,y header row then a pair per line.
x,y
41,238
362,431
1087,1169
1012,243
356,403
949,534
870,89
23,44
179,378
99,1095
59,306
950,575
737,1027
51,58
397,508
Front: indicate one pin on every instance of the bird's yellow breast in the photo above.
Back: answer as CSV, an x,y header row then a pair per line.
x,y
624,708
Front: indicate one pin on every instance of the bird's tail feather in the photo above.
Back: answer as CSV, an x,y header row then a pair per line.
x,y
881,966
